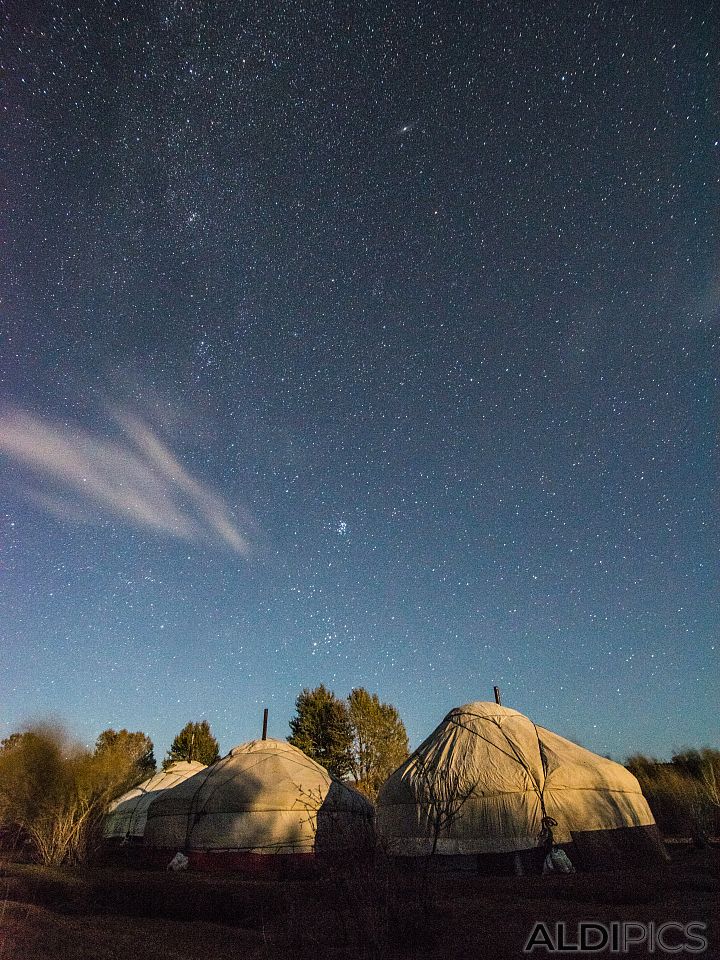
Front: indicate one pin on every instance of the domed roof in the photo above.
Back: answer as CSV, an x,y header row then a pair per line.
x,y
484,709
491,776
127,816
265,796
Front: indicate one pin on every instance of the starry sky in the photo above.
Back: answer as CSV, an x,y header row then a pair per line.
x,y
360,343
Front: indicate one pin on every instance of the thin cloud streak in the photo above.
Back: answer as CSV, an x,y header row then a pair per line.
x,y
137,478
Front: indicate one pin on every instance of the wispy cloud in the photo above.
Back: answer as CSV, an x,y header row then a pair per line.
x,y
135,478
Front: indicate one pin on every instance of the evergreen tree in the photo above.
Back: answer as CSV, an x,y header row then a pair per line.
x,y
136,747
194,742
380,741
321,729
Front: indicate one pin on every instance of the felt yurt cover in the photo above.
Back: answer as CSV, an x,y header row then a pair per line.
x,y
126,816
264,797
488,780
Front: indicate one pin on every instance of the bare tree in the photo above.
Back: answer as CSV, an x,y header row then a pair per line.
x,y
442,794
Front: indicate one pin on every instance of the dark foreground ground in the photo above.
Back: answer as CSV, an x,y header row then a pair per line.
x,y
100,913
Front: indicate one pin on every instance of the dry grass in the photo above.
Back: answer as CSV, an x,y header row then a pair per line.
x,y
97,913
684,795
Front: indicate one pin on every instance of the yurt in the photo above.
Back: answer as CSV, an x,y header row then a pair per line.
x,y
126,817
490,788
266,805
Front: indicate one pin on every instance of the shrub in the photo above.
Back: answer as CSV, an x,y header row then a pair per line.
x,y
682,794
56,791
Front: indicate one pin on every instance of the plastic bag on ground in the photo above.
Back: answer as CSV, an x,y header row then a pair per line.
x,y
178,862
557,861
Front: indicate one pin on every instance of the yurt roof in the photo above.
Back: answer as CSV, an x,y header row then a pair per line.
x,y
127,814
505,774
484,710
263,774
264,796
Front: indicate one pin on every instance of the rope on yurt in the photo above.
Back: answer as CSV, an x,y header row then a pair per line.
x,y
193,810
145,791
131,817
131,820
515,755
546,822
195,814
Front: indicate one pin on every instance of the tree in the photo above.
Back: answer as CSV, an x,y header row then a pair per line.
x,y
321,729
136,747
194,742
380,741
56,791
12,741
440,796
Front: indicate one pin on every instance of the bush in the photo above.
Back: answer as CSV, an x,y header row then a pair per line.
x,y
55,792
682,794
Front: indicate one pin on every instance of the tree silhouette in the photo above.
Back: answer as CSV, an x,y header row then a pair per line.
x,y
136,747
321,729
380,741
194,742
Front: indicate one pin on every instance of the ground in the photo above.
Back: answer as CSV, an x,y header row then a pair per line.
x,y
101,913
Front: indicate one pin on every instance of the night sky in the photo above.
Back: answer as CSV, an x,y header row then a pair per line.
x,y
366,344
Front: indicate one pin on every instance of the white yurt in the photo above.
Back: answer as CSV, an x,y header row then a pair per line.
x,y
491,785
126,816
265,800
